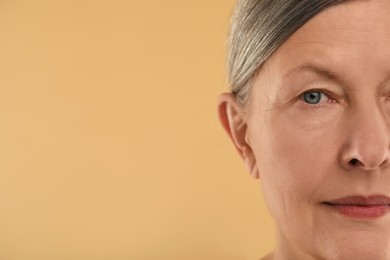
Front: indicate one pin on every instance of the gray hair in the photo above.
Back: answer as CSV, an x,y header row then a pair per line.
x,y
258,28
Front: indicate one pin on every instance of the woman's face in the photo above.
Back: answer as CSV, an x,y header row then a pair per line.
x,y
318,130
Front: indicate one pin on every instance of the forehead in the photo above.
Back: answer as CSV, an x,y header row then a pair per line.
x,y
354,31
351,21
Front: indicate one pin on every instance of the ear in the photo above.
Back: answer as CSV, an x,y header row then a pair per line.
x,y
235,126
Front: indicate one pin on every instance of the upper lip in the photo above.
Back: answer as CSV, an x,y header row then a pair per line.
x,y
361,200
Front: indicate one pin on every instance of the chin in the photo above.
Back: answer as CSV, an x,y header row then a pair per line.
x,y
357,246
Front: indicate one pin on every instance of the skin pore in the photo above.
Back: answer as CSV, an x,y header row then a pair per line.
x,y
317,128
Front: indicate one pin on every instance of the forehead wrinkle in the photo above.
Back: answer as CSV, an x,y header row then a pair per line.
x,y
325,73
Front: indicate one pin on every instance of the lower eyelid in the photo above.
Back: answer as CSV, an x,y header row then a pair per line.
x,y
306,105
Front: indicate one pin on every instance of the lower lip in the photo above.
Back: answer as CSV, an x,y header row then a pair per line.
x,y
362,212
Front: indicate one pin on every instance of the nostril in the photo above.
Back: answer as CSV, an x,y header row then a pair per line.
x,y
385,162
353,161
356,162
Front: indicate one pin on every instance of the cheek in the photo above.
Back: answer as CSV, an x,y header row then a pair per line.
x,y
293,164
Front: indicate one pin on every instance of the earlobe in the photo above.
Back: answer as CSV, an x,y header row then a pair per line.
x,y
235,126
250,162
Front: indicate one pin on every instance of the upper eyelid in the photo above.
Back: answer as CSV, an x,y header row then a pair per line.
x,y
315,90
326,93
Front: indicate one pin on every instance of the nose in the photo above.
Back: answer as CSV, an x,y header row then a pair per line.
x,y
368,147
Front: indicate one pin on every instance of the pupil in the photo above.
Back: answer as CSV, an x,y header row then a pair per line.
x,y
312,97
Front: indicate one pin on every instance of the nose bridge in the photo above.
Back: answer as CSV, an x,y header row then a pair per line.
x,y
368,139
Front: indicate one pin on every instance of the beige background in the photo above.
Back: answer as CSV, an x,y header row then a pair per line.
x,y
109,140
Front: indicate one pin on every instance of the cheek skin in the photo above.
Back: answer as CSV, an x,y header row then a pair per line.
x,y
294,163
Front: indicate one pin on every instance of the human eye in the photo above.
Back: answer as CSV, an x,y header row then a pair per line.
x,y
315,98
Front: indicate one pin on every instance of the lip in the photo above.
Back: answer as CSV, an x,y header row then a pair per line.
x,y
360,207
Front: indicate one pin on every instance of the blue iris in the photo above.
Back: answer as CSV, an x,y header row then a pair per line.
x,y
313,97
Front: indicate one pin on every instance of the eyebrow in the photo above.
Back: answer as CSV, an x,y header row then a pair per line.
x,y
326,73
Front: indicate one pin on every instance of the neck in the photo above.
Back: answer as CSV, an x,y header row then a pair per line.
x,y
285,250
